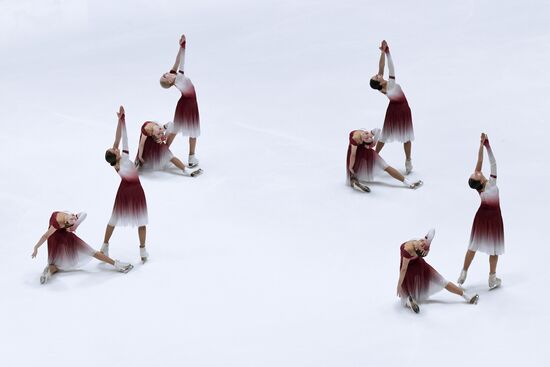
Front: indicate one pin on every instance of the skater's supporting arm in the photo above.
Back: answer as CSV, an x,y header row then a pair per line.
x,y
352,158
142,140
402,273
79,219
479,163
43,239
491,158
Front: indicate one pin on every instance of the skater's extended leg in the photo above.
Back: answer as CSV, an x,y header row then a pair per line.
x,y
53,269
101,257
493,260
192,145
451,287
379,146
142,232
468,259
178,163
395,173
170,139
108,233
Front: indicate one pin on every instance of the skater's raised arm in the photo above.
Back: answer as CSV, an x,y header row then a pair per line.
x,y
491,158
122,124
391,77
479,163
43,239
80,217
382,63
180,58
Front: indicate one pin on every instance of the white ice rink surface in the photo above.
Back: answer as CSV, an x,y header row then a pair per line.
x,y
269,259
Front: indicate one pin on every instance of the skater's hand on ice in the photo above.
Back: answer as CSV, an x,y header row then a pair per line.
x,y
182,40
121,114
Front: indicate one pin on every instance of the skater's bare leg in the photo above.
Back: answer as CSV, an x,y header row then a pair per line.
x,y
395,173
379,146
192,145
407,146
53,269
468,259
108,233
142,232
170,139
493,260
178,163
451,287
101,257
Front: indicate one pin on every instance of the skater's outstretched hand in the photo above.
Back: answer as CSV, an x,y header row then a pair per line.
x,y
486,141
34,253
384,46
121,113
182,40
483,138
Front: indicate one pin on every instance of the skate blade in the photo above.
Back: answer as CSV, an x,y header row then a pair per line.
x,y
192,165
412,304
474,300
494,287
196,173
144,260
416,185
42,279
126,270
360,187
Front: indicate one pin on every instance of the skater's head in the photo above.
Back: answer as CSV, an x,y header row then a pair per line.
x,y
112,156
69,220
377,82
422,247
155,131
477,181
367,137
167,80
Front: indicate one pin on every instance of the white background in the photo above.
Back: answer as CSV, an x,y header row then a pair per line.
x,y
269,259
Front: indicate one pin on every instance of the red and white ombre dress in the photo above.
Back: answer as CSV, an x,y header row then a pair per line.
x,y
186,117
130,208
65,249
488,228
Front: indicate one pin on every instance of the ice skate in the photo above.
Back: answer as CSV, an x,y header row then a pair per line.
x,y
412,305
192,161
413,185
123,267
494,282
470,299
105,249
408,166
46,275
144,254
359,186
189,173
462,277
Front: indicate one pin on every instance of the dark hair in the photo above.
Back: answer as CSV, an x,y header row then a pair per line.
x,y
375,84
110,157
475,184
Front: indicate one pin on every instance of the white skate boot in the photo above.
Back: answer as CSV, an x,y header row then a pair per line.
x,y
359,186
470,299
46,275
494,282
413,185
408,166
123,267
192,161
144,254
105,249
462,277
412,305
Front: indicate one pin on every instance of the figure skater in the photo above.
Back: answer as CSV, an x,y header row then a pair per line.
x,y
363,162
418,280
186,117
130,208
398,121
154,154
488,229
66,250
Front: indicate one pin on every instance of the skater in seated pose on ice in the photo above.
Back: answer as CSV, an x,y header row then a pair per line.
x,y
66,250
418,280
398,121
186,117
488,229
130,208
363,162
153,152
